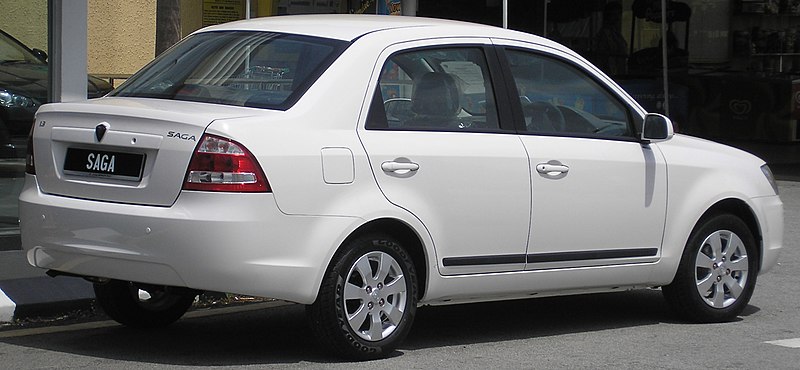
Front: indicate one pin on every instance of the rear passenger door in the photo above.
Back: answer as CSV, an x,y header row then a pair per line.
x,y
442,145
599,194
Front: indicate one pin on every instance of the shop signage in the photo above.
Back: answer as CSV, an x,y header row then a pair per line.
x,y
221,11
390,7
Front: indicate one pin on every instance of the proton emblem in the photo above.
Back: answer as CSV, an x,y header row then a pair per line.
x,y
100,131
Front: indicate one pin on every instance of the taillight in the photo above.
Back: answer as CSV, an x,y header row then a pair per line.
x,y
220,164
30,168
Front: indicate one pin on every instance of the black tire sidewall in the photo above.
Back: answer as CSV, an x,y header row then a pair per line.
x,y
117,300
682,293
328,316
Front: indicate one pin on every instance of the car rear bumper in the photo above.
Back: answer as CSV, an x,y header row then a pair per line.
x,y
229,242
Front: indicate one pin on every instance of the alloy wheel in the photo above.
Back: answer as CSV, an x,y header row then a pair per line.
x,y
375,295
721,269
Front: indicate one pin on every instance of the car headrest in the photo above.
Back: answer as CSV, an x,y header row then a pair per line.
x,y
436,94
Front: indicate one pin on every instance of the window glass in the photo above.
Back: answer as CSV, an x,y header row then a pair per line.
x,y
254,69
440,89
558,98
23,88
12,52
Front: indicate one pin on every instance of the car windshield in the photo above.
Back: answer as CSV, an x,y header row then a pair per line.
x,y
253,69
12,52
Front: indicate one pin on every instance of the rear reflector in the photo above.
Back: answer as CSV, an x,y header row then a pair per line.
x,y
220,164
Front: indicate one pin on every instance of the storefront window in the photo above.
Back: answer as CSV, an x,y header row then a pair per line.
x,y
732,66
23,88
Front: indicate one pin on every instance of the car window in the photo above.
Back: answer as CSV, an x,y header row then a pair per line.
x,y
438,89
254,69
11,51
558,98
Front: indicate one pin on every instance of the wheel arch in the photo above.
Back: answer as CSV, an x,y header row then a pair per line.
x,y
710,304
742,210
406,235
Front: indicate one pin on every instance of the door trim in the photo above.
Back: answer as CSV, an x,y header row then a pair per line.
x,y
549,257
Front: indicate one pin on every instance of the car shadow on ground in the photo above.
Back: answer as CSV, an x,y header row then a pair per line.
x,y
542,317
280,335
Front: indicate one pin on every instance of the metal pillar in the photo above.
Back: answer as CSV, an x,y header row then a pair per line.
x,y
505,13
410,7
664,55
66,40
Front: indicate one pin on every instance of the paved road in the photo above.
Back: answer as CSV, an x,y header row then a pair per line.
x,y
619,330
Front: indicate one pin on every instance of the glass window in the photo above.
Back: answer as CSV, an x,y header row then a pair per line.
x,y
12,52
439,89
23,87
561,99
253,69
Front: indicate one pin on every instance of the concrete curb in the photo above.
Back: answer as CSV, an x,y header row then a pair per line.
x,y
43,296
7,307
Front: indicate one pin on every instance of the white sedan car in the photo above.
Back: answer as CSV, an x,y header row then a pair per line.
x,y
367,165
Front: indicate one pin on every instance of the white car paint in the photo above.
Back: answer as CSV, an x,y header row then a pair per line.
x,y
622,200
280,244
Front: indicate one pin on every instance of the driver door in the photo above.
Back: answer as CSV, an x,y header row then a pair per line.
x,y
599,194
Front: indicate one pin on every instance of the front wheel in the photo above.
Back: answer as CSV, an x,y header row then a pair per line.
x,y
717,272
367,300
142,305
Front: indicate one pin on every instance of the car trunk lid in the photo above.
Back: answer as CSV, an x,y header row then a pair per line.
x,y
122,150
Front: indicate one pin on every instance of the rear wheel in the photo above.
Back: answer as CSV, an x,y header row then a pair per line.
x,y
143,305
367,301
717,272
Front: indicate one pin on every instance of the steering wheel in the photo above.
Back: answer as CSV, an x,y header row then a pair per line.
x,y
544,117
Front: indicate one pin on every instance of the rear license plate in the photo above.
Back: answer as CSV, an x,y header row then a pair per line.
x,y
98,163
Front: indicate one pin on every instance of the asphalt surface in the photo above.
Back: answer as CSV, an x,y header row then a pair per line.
x,y
627,330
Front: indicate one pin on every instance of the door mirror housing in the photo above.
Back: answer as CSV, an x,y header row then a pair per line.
x,y
656,128
41,54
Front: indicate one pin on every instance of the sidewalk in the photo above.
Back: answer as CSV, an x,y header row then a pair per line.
x,y
27,292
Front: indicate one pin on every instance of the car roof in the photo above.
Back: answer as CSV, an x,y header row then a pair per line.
x,y
349,27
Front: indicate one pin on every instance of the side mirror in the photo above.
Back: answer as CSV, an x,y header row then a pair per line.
x,y
656,128
41,54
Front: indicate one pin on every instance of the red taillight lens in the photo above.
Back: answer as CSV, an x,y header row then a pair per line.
x,y
220,164
30,168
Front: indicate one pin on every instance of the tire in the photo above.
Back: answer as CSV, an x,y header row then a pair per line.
x,y
717,272
367,300
143,306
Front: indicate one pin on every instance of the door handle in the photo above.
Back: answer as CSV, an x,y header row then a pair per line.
x,y
552,169
399,167
548,168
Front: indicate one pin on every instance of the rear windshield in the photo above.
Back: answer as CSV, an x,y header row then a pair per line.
x,y
252,69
